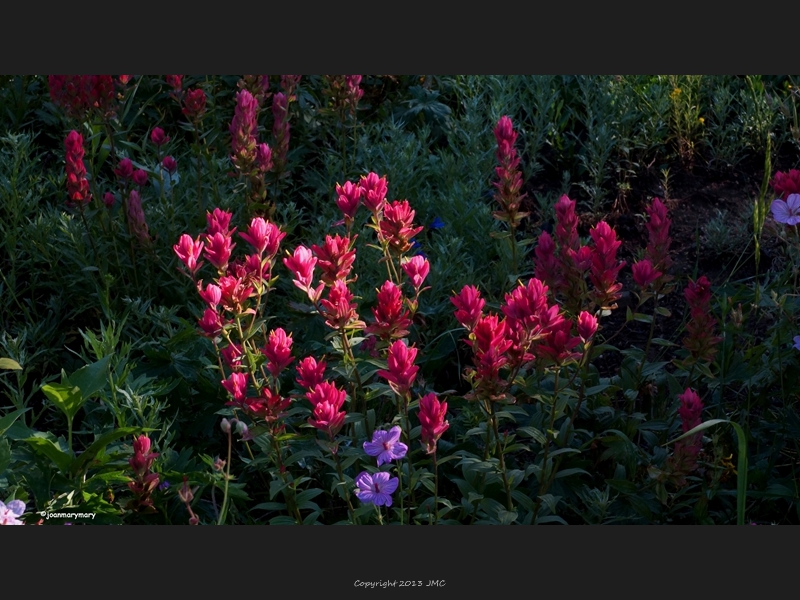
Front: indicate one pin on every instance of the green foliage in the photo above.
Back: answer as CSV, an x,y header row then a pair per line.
x,y
582,441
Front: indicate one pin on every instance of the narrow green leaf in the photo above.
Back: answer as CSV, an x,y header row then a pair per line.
x,y
7,363
741,471
49,449
91,378
99,444
9,419
5,455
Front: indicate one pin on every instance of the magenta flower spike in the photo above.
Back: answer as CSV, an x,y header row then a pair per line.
x,y
432,418
310,372
158,137
417,269
386,445
587,325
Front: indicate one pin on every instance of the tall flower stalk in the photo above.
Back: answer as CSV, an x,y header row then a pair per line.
x,y
509,184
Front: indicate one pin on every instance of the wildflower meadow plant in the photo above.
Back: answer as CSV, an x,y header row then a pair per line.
x,y
332,307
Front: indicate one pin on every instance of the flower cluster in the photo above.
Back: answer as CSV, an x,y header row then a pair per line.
x,y
686,450
563,266
144,482
327,401
700,340
396,227
257,85
280,129
651,270
392,320
432,418
401,371
509,175
289,85
659,241
136,218
77,184
531,330
345,92
194,105
377,488
250,158
83,95
230,296
786,184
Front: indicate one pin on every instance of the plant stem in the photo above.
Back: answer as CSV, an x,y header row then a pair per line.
x,y
435,490
499,450
290,497
224,511
344,485
198,172
546,480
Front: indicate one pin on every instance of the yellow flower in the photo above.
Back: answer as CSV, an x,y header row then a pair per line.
x,y
702,120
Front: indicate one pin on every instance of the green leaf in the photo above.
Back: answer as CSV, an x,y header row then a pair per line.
x,y
91,378
596,389
550,519
698,429
49,449
534,433
99,444
9,419
506,517
741,471
282,520
568,472
307,495
622,485
66,397
5,455
7,363
269,506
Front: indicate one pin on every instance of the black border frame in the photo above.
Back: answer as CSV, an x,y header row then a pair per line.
x,y
621,37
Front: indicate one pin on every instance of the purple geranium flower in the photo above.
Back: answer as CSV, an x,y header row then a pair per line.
x,y
787,211
797,342
386,445
9,512
376,489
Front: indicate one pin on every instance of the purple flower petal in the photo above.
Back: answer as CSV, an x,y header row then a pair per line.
x,y
793,202
17,507
376,489
386,445
797,342
780,211
390,486
367,497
